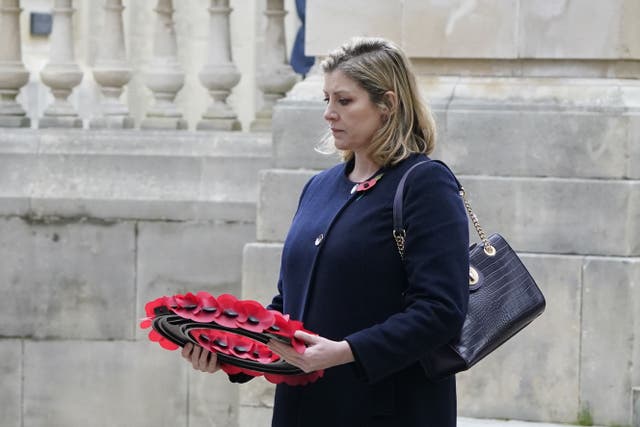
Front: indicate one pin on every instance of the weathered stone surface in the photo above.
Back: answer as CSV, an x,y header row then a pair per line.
x,y
298,129
136,209
611,292
11,384
636,407
633,168
107,174
213,400
558,215
482,422
103,384
380,18
279,193
260,271
67,280
536,143
558,127
251,416
534,376
578,29
458,29
188,257
258,393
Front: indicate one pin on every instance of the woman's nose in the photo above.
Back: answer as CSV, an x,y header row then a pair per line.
x,y
329,114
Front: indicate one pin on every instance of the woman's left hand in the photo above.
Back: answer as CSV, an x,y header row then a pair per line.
x,y
321,353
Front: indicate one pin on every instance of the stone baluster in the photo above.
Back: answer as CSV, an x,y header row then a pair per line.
x,y
61,73
111,70
164,76
274,76
13,74
219,75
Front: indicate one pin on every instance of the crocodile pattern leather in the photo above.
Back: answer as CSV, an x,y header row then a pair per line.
x,y
505,300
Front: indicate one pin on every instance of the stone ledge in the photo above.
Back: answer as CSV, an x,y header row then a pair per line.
x,y
127,209
131,174
557,215
530,126
277,202
535,214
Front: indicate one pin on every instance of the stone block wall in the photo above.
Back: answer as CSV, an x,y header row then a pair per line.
x,y
93,225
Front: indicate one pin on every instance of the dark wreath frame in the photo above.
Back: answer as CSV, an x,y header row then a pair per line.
x,y
236,330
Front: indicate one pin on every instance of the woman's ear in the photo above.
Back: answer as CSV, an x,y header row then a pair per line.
x,y
391,100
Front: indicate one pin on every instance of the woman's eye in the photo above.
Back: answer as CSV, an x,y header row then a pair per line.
x,y
326,100
344,101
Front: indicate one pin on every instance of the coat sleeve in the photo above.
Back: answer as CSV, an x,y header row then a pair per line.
x,y
437,269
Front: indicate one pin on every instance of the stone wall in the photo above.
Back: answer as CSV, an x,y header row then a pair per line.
x,y
93,225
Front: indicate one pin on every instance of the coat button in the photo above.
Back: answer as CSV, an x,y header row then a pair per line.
x,y
319,239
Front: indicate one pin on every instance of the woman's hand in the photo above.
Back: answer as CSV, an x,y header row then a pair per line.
x,y
201,359
321,353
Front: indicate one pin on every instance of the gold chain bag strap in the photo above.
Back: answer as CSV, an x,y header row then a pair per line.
x,y
503,297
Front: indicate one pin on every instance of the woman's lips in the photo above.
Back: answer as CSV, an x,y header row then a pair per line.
x,y
335,131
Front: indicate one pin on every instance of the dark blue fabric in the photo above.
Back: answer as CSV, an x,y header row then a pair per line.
x,y
299,61
354,286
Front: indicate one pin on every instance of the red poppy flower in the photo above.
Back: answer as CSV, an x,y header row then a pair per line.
x,y
299,345
164,343
186,306
209,308
146,323
232,311
233,370
214,340
258,318
263,354
240,346
283,326
150,307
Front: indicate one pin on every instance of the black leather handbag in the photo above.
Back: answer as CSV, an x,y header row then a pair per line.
x,y
503,297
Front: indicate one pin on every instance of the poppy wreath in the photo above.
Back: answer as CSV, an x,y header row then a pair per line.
x,y
236,330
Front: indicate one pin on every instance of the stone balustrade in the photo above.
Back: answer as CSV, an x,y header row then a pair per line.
x,y
162,73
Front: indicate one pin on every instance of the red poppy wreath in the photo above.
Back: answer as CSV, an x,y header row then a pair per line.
x,y
236,330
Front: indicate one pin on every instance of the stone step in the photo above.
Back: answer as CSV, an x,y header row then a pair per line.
x,y
584,128
131,174
481,422
279,192
260,271
553,215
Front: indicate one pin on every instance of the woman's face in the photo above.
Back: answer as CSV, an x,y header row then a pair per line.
x,y
352,117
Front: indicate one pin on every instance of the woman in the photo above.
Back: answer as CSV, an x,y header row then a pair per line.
x,y
376,315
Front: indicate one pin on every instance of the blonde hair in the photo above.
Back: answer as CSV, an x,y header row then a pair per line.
x,y
379,66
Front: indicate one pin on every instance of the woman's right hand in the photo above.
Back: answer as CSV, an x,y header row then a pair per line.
x,y
201,359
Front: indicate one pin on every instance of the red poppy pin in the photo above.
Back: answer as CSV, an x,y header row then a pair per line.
x,y
366,185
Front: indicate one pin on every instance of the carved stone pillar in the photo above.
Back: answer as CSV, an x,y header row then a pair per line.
x,y
111,70
13,75
164,76
61,73
275,76
219,75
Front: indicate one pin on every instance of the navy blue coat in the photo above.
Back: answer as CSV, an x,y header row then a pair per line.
x,y
341,274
